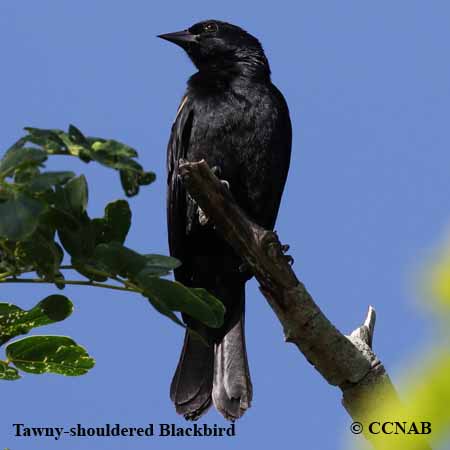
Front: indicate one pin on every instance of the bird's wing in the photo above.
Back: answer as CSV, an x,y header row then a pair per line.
x,y
177,203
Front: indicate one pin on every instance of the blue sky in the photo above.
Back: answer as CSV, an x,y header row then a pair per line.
x,y
366,201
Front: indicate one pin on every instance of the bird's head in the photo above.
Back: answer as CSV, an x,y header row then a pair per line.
x,y
215,45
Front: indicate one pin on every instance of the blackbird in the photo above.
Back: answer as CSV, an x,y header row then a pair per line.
x,y
238,121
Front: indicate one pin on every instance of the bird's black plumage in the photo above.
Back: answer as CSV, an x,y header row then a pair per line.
x,y
238,121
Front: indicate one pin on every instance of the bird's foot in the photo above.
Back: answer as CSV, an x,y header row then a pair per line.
x,y
284,249
289,259
217,171
202,217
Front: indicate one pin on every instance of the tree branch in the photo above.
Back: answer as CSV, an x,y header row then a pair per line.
x,y
344,361
68,282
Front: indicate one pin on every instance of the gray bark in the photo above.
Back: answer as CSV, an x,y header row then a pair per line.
x,y
347,362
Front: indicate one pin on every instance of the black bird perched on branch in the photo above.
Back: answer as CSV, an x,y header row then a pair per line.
x,y
238,121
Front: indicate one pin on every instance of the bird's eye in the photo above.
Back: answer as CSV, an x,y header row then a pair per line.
x,y
210,27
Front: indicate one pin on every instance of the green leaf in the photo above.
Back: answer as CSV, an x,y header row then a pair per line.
x,y
160,265
197,303
51,140
116,162
114,149
5,195
15,321
77,194
165,310
49,354
147,178
7,372
119,260
76,136
19,158
214,304
59,279
78,239
27,174
130,182
39,253
46,180
116,223
7,261
88,269
19,217
108,152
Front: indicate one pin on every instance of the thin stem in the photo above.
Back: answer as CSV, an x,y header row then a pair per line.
x,y
127,283
73,282
5,275
73,151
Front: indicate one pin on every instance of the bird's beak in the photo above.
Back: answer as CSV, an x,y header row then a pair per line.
x,y
181,38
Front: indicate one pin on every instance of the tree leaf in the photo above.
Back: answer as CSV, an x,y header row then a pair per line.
x,y
88,269
7,372
197,303
25,175
39,253
108,152
113,148
77,136
77,194
117,222
46,180
130,182
215,305
163,309
117,259
49,354
20,157
59,278
19,217
77,235
7,261
160,265
15,321
51,140
147,178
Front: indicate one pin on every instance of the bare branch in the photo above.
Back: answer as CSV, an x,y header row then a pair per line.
x,y
346,362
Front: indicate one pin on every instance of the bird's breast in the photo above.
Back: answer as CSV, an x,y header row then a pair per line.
x,y
232,122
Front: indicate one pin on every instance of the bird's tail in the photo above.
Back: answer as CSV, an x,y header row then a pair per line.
x,y
232,386
192,383
217,373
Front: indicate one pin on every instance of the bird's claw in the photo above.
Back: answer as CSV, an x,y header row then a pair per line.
x,y
202,217
289,258
217,171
